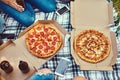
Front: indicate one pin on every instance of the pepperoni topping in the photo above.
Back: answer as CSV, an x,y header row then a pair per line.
x,y
46,29
33,40
46,35
40,47
30,43
42,33
34,49
49,39
52,48
37,36
38,28
45,50
36,44
41,39
45,43
39,51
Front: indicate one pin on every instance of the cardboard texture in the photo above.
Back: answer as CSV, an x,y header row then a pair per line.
x,y
17,50
20,42
97,15
14,55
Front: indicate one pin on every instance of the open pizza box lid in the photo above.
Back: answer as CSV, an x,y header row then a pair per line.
x,y
14,51
97,15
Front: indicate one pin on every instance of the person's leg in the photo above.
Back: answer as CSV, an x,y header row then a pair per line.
x,y
2,22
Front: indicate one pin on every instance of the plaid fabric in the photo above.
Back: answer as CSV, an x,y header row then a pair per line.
x,y
73,70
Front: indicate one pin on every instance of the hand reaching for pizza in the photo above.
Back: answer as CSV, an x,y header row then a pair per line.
x,y
13,4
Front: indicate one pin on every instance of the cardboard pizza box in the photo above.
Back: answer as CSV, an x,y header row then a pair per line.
x,y
97,15
9,52
16,50
20,42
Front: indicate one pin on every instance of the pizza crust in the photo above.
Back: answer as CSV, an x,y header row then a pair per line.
x,y
43,40
92,46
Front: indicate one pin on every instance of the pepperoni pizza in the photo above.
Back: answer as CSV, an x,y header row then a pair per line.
x,y
92,46
43,40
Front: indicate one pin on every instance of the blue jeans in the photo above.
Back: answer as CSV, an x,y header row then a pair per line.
x,y
1,24
36,76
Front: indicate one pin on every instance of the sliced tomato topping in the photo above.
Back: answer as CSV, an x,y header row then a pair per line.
x,y
30,36
53,33
37,35
30,47
48,47
33,33
54,38
33,40
53,43
40,46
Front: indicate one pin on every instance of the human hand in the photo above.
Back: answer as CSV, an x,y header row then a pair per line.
x,y
43,74
13,4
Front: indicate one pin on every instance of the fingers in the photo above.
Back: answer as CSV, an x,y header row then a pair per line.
x,y
13,4
16,6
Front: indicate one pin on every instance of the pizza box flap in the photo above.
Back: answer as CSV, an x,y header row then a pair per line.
x,y
21,45
58,26
97,13
9,52
5,44
103,65
114,48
